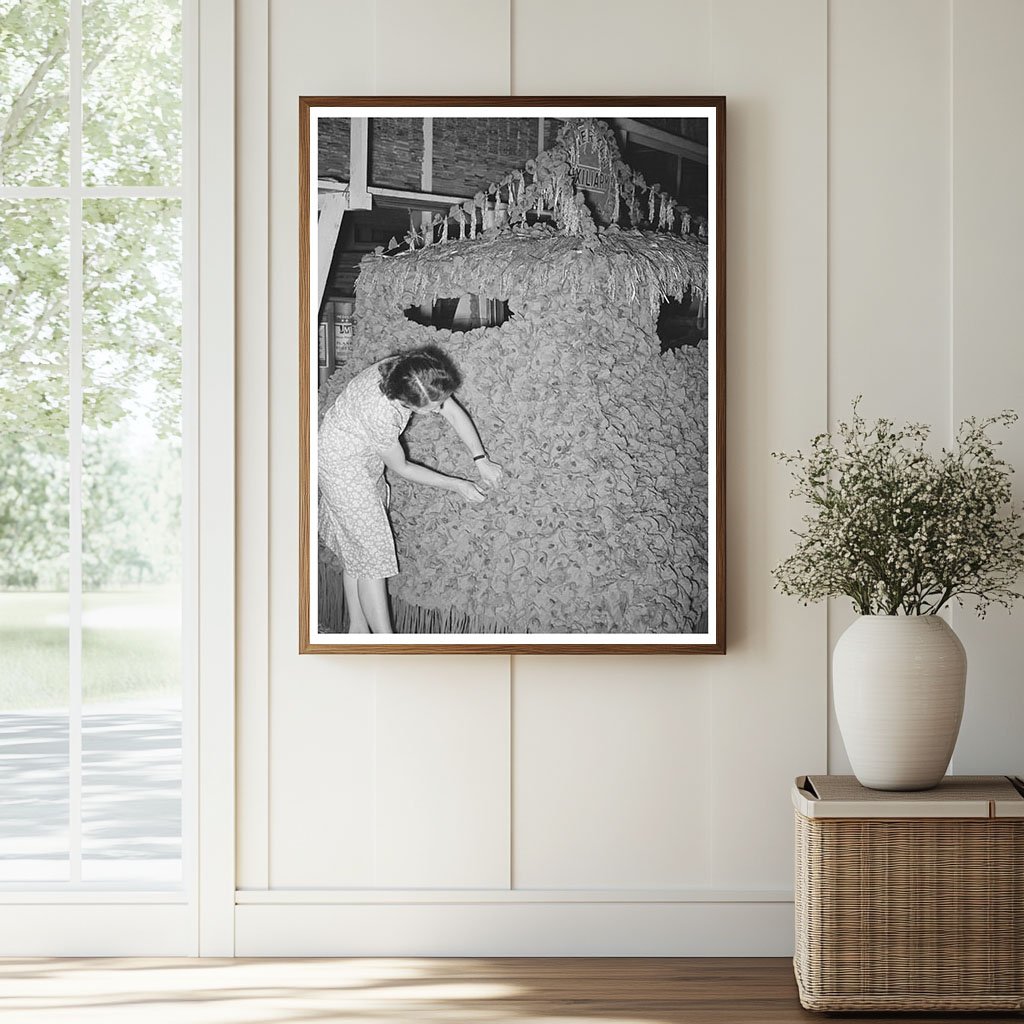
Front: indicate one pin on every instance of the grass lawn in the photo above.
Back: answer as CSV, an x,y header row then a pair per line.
x,y
130,647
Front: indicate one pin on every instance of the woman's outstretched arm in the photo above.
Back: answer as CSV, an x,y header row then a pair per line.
x,y
394,458
490,472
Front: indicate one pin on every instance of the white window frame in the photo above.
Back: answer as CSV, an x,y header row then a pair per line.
x,y
216,394
53,919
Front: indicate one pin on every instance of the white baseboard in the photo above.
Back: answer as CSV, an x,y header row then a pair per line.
x,y
99,928
514,928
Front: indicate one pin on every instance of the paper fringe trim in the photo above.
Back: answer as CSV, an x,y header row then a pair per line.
x,y
407,618
331,615
411,618
623,267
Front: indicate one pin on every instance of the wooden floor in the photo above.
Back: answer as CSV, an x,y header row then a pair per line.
x,y
413,991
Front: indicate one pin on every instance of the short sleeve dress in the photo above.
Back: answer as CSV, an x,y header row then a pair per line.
x,y
355,432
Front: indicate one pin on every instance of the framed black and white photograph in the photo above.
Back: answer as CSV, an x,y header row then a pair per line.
x,y
512,375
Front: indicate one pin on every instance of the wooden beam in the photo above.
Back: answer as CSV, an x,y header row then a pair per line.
x,y
325,188
666,142
359,163
327,228
415,198
427,171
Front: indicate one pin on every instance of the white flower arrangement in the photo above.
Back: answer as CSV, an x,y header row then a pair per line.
x,y
899,530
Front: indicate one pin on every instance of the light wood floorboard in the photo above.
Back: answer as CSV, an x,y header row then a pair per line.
x,y
424,991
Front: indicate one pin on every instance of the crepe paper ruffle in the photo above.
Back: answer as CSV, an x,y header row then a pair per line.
x,y
601,523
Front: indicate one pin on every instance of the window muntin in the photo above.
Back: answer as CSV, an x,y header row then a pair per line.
x,y
34,562
91,748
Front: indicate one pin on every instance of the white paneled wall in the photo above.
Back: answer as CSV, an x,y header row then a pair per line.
x,y
443,48
889,223
925,218
442,798
618,760
318,762
987,365
622,805
768,693
578,47
889,213
252,463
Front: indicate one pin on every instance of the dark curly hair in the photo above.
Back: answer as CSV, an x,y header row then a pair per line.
x,y
420,376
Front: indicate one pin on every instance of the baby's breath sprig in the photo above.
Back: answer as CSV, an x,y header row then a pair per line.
x,y
899,530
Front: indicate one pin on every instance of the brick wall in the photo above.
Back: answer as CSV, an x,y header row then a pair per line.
x,y
334,138
551,126
470,153
396,152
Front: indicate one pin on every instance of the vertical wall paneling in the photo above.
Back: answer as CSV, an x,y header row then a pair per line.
x,y
217,562
612,775
889,212
769,692
590,776
323,815
888,223
320,708
442,775
442,772
987,367
577,47
253,457
611,755
443,48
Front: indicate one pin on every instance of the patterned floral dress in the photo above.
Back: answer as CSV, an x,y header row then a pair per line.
x,y
360,426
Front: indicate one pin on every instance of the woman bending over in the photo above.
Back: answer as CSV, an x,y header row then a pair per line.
x,y
358,437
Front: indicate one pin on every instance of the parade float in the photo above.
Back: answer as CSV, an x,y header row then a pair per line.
x,y
601,524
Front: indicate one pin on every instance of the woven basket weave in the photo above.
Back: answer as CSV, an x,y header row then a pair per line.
x,y
910,913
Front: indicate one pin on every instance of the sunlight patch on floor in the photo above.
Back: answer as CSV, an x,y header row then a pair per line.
x,y
219,991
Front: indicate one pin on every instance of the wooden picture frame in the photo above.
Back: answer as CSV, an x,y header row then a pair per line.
x,y
596,378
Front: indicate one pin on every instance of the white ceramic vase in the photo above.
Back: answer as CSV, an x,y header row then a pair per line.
x,y
898,684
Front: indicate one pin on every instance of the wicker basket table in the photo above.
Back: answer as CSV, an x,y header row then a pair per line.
x,y
910,901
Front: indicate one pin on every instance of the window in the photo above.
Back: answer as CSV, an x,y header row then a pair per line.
x,y
682,322
95,463
463,313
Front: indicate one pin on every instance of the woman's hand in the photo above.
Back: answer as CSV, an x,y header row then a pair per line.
x,y
470,491
490,472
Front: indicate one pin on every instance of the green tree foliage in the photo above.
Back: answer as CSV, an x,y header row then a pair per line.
x,y
33,92
132,313
131,509
34,320
33,514
131,92
131,302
